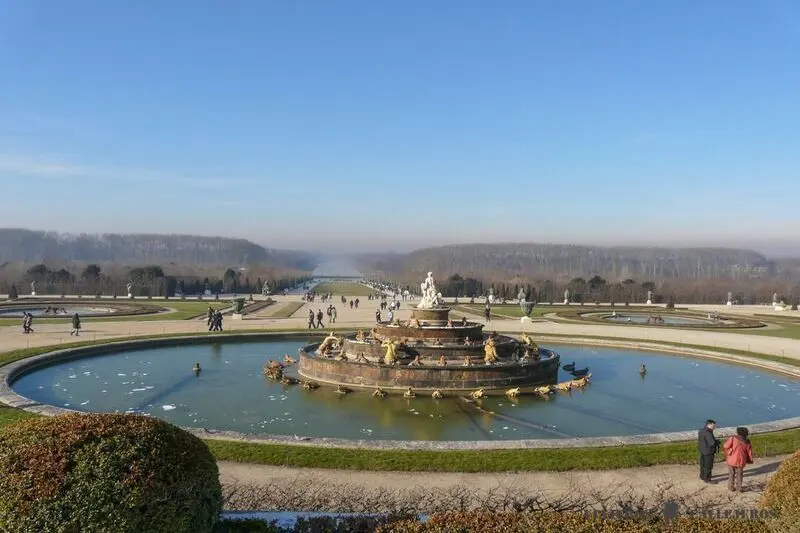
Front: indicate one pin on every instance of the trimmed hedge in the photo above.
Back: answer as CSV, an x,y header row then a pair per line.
x,y
782,493
106,472
487,522
484,522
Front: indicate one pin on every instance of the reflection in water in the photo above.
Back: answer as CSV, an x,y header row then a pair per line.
x,y
231,393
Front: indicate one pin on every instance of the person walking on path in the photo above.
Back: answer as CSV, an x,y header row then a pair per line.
x,y
319,319
76,325
738,452
707,445
487,313
311,322
333,315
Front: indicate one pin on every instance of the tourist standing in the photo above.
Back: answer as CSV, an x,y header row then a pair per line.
x,y
27,321
390,316
707,445
333,315
378,315
76,325
738,453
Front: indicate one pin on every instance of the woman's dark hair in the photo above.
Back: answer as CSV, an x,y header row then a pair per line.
x,y
742,432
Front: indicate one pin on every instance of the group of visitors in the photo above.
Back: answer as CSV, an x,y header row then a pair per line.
x,y
331,312
737,449
315,321
214,319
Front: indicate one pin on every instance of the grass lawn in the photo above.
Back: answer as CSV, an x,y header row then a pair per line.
x,y
343,288
557,459
286,310
777,443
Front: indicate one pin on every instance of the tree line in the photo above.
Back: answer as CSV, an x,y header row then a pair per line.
x,y
597,289
145,281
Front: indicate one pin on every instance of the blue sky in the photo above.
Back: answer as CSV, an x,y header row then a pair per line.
x,y
361,124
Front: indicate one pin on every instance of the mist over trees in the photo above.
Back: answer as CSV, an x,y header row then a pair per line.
x,y
593,273
27,246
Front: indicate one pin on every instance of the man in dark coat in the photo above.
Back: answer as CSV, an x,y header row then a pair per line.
x,y
76,325
707,445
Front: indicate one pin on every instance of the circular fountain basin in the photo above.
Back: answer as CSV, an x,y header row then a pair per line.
x,y
61,311
678,393
667,320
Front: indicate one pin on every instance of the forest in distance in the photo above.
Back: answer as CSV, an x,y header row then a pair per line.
x,y
161,264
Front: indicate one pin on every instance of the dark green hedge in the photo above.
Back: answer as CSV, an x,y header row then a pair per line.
x,y
106,472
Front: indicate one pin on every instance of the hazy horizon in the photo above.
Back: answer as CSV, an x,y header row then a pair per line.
x,y
769,247
359,126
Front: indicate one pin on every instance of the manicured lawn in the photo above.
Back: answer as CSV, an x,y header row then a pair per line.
x,y
286,310
559,459
343,288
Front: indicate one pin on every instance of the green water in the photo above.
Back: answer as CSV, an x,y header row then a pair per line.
x,y
231,394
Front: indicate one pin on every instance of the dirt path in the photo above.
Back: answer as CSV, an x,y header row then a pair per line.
x,y
676,481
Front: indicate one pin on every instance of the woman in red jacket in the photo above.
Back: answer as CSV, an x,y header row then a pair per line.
x,y
738,453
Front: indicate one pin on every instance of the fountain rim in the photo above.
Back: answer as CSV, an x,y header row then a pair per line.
x,y
11,372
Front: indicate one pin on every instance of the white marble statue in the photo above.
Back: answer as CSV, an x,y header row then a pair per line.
x,y
774,298
649,297
430,296
730,298
33,288
265,291
566,296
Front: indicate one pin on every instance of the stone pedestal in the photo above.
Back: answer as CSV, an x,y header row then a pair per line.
x,y
729,304
33,293
649,302
237,316
566,301
130,296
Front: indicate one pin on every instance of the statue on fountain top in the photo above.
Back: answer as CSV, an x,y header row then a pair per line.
x,y
430,297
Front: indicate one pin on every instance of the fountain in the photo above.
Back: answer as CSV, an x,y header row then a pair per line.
x,y
428,353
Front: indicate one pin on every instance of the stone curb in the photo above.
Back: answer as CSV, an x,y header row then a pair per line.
x,y
13,371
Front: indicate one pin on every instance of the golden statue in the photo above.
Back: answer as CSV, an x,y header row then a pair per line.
x,y
378,393
328,344
442,360
490,352
360,336
416,361
340,389
310,385
449,323
414,323
409,393
478,394
513,393
436,395
391,352
468,361
289,360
